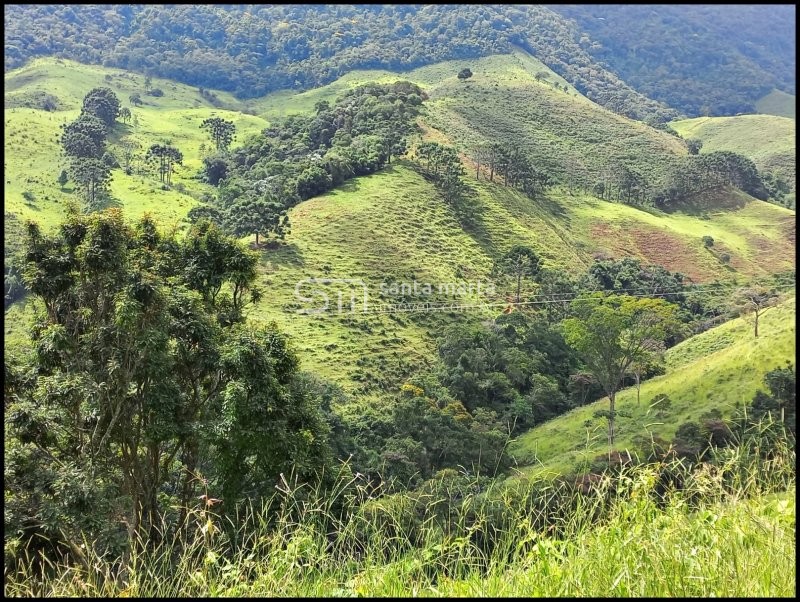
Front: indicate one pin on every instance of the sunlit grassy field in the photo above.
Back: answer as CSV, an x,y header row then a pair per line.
x,y
33,158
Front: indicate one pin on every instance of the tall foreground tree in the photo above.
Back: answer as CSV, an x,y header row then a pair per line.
x,y
144,378
221,131
613,332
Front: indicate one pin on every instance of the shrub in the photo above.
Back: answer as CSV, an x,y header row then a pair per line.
x,y
661,403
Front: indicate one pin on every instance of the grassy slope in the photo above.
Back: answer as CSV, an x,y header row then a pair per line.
x,y
506,67
33,159
766,139
737,544
715,369
392,226
778,103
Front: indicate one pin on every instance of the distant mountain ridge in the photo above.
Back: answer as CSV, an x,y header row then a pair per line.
x,y
701,59
251,50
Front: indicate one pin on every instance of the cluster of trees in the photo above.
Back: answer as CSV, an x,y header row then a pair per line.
x,y
695,176
230,47
583,339
304,156
84,144
145,383
512,164
687,181
164,157
441,165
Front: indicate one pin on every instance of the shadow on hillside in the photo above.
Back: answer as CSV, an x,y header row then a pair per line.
x,y
471,219
283,255
552,206
723,200
109,202
119,131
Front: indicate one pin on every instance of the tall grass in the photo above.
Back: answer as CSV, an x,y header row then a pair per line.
x,y
728,530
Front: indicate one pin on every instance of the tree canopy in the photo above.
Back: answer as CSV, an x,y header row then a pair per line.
x,y
611,332
143,377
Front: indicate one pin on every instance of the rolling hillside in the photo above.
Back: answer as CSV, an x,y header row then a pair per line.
x,y
392,226
718,369
33,158
341,323
697,58
768,140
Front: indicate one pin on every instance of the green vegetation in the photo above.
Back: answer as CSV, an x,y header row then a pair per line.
x,y
142,375
612,334
737,519
308,46
175,117
700,59
519,251
768,140
718,369
418,237
304,156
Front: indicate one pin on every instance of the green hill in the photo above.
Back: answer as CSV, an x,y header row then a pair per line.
x,y
33,155
392,226
718,368
305,46
768,140
689,57
339,235
778,103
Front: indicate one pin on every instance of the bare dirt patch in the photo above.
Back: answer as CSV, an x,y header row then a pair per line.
x,y
672,252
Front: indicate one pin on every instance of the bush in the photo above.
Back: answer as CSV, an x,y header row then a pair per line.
x,y
708,242
661,403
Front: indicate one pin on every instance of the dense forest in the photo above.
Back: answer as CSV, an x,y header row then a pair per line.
x,y
252,50
702,60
